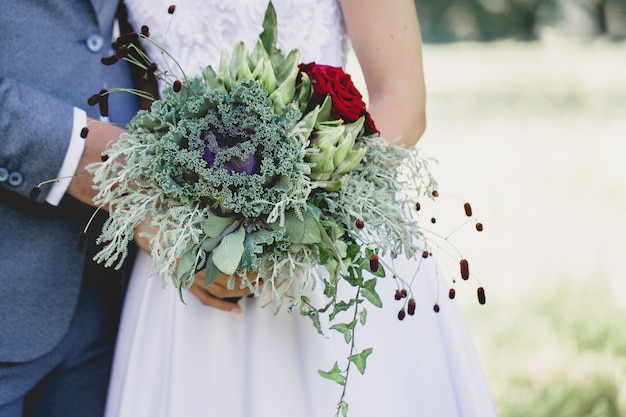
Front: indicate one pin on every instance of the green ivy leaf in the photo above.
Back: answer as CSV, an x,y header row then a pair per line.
x,y
334,375
345,329
360,359
227,254
343,407
369,292
363,316
339,307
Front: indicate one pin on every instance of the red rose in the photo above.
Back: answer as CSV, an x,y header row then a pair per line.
x,y
348,103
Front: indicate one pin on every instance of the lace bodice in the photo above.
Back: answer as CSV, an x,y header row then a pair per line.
x,y
199,30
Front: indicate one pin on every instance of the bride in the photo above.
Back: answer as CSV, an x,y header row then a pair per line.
x,y
174,359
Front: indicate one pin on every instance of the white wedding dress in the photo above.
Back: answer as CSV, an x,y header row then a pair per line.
x,y
189,360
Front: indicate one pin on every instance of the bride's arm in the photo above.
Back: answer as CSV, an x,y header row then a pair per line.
x,y
213,295
386,38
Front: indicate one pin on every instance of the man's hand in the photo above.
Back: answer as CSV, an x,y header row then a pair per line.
x,y
100,135
215,294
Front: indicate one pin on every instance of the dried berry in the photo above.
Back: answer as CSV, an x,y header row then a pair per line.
x,y
481,295
418,206
425,254
171,9
359,224
109,60
436,308
104,158
468,209
411,307
81,242
373,262
104,103
34,193
145,31
464,269
433,220
398,295
401,314
435,193
177,86
93,100
404,292
479,226
452,293
84,132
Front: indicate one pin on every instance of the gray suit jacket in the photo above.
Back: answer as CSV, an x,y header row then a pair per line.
x,y
50,53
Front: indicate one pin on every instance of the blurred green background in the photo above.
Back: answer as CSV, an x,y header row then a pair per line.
x,y
527,118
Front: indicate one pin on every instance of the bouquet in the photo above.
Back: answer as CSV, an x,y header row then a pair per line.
x,y
267,169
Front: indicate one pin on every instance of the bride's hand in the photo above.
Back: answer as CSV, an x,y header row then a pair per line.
x,y
217,293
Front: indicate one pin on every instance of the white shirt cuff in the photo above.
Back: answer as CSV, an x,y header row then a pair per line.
x,y
71,161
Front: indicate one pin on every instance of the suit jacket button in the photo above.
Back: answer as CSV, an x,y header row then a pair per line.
x,y
4,174
94,42
16,178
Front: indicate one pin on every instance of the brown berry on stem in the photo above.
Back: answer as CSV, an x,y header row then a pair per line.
x,y
373,262
418,206
436,308
435,193
452,293
177,86
401,314
425,254
468,209
411,307
84,132
479,226
359,224
171,9
398,295
480,292
433,220
464,265
34,193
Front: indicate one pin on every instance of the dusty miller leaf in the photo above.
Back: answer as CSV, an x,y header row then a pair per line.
x,y
227,254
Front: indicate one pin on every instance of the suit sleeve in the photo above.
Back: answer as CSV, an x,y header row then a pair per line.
x,y
35,135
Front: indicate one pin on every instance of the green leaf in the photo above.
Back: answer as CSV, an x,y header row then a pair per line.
x,y
186,265
360,359
268,36
304,231
314,315
211,272
343,407
369,292
339,307
215,225
363,316
334,375
345,329
227,254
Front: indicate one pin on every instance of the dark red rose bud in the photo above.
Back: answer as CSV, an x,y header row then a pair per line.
x,y
373,262
145,31
452,293
93,100
34,193
359,224
464,269
435,193
84,132
127,38
177,86
411,307
401,314
104,158
104,103
171,9
436,308
425,254
433,220
479,226
404,292
481,295
109,60
81,242
398,295
418,206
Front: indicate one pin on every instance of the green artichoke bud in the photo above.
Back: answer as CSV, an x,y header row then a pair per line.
x,y
352,159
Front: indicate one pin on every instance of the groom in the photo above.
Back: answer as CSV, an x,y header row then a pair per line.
x,y
58,311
